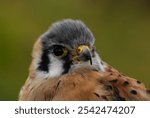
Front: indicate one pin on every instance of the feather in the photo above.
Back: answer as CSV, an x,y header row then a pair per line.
x,y
85,84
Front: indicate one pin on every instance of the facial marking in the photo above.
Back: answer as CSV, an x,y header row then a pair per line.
x,y
64,46
55,67
43,65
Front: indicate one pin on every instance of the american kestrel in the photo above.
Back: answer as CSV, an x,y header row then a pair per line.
x,y
66,66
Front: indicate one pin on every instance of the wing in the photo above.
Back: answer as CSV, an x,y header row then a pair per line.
x,y
92,85
125,87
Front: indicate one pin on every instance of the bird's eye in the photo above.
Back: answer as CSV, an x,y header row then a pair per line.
x,y
60,51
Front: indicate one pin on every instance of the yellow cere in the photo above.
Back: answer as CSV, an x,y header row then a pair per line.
x,y
78,51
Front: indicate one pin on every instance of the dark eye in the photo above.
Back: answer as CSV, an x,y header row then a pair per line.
x,y
59,51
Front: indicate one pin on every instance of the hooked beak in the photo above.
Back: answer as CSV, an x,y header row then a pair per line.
x,y
84,53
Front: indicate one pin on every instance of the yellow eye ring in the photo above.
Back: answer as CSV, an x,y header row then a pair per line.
x,y
80,48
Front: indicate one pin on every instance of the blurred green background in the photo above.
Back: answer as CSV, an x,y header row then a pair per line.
x,y
121,29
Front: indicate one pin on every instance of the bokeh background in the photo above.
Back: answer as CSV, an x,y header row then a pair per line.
x,y
121,29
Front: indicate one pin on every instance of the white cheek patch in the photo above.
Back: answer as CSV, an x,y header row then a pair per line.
x,y
41,75
55,67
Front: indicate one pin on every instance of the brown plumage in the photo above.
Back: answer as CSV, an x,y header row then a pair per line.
x,y
84,84
60,72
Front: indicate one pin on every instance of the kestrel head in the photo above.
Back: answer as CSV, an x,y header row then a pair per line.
x,y
67,45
